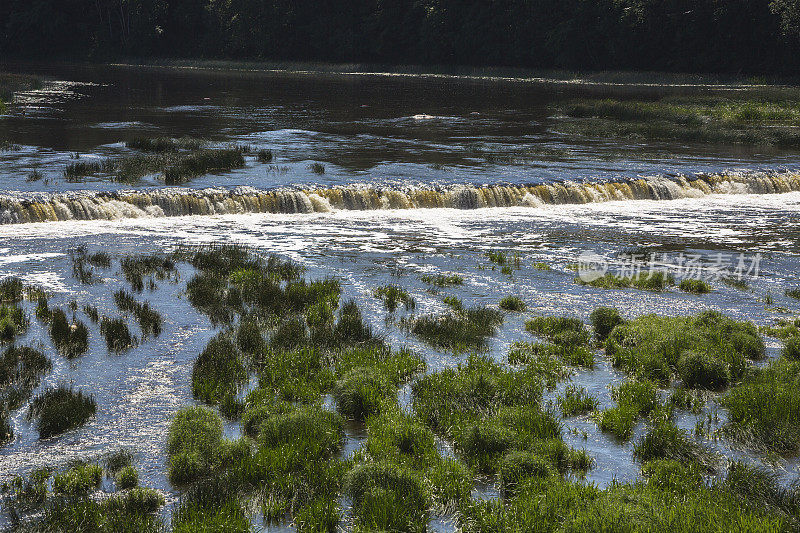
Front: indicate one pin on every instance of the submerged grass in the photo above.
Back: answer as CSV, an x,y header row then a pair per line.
x,y
442,280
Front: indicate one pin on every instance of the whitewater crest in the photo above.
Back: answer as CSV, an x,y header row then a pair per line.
x,y
169,202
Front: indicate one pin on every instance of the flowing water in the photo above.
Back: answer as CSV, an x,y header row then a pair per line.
x,y
421,175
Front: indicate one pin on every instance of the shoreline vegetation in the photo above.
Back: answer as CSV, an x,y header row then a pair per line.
x,y
296,366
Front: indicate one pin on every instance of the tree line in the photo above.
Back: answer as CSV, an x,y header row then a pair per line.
x,y
741,36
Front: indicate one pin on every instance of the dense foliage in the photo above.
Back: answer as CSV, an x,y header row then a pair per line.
x,y
677,35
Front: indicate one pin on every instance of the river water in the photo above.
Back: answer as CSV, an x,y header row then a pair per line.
x,y
422,174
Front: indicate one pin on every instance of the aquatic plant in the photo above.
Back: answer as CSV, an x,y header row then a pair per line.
x,y
457,330
116,334
695,286
202,162
135,268
604,320
193,444
517,466
451,484
498,258
392,295
361,392
793,293
61,409
319,516
651,346
442,280
80,479
388,497
71,339
11,290
513,303
264,156
736,283
6,429
127,478
213,501
764,410
90,311
21,370
218,371
702,370
310,430
400,438
164,144
13,322
791,349
565,331
150,321
576,401
666,441
652,281
634,399
317,168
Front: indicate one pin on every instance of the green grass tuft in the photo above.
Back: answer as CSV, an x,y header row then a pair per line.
x,y
61,409
513,303
694,286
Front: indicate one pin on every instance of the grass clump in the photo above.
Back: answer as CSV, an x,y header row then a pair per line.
x,y
666,441
400,438
264,156
576,401
71,339
193,444
442,280
651,346
156,266
513,303
116,334
564,331
634,399
703,371
392,296
202,162
653,281
11,290
150,321
21,370
388,497
13,322
764,410
61,409
218,371
604,320
127,478
319,516
80,479
694,286
457,330
361,392
793,293
791,349
317,168
164,144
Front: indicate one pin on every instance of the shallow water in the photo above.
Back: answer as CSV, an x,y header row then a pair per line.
x,y
385,132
